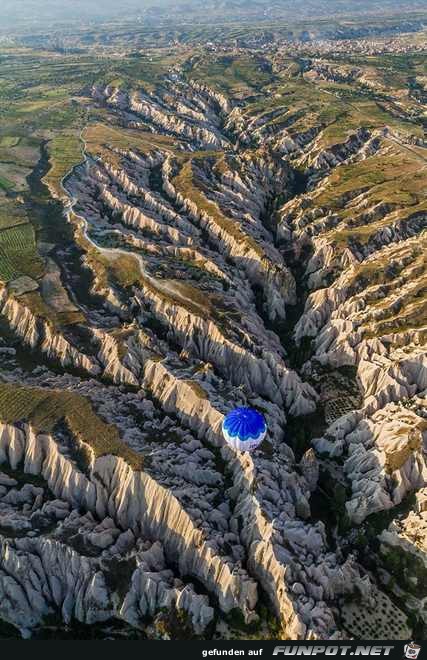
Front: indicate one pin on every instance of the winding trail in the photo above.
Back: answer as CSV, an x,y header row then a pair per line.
x,y
165,287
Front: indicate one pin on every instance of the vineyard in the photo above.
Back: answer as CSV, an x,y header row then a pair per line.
x,y
18,253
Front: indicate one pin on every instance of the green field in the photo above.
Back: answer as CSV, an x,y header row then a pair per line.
x,y
18,253
64,151
237,76
5,184
9,141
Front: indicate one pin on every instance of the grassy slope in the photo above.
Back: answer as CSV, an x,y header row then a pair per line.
x,y
44,409
65,151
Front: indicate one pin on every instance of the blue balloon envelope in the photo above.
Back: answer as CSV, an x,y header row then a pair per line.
x,y
244,429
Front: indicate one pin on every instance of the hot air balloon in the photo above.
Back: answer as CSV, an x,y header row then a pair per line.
x,y
244,429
